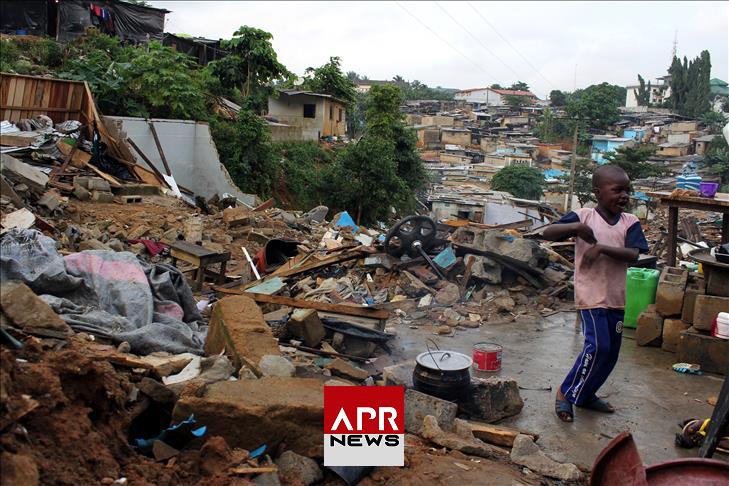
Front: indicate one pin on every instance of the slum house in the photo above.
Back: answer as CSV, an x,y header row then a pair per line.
x,y
199,48
318,115
455,136
605,144
69,19
479,97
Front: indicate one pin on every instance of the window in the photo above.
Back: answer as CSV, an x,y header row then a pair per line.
x,y
309,110
331,112
340,115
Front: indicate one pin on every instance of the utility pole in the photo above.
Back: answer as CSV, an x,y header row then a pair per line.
x,y
573,165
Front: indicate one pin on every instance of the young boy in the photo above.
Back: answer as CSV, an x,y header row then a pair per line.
x,y
607,240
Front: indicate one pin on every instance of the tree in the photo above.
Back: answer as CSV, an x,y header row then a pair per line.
x,y
366,181
690,85
557,98
353,76
551,129
520,86
496,86
521,181
251,67
584,168
643,93
717,159
713,121
329,79
515,101
597,105
634,161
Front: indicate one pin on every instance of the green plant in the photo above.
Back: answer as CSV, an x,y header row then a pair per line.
x,y
302,174
515,101
690,85
584,168
329,79
596,105
717,159
634,161
557,98
520,181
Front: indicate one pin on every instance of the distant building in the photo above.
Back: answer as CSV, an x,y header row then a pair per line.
x,y
605,144
318,115
455,136
636,133
719,87
364,85
508,157
660,92
490,97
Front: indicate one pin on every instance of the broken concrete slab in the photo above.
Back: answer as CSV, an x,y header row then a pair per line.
x,y
268,411
503,244
343,368
399,375
28,311
526,453
7,190
672,329
237,326
305,324
238,216
484,268
81,193
492,399
649,329
471,446
22,218
156,391
419,405
294,468
21,173
412,285
709,352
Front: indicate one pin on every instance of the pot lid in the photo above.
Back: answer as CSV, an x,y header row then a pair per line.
x,y
444,360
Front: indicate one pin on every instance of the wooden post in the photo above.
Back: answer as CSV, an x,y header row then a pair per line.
x,y
672,235
159,148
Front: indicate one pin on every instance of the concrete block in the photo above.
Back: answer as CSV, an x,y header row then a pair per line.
x,y
671,287
82,181
709,352
492,399
419,405
706,310
238,216
305,324
138,190
237,326
672,329
131,199
80,191
399,374
49,201
271,410
98,184
21,173
649,330
717,283
693,289
102,197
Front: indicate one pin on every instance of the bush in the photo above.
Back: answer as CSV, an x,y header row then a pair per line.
x,y
520,181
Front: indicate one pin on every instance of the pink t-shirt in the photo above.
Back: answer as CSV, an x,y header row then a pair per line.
x,y
601,285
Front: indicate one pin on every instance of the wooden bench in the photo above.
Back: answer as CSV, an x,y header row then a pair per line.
x,y
201,258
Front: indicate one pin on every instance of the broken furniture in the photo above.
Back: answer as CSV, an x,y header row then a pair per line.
x,y
620,463
719,203
201,258
414,235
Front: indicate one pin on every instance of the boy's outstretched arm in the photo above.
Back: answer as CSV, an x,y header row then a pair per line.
x,y
561,231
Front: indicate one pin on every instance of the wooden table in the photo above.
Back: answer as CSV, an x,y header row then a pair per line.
x,y
720,204
201,257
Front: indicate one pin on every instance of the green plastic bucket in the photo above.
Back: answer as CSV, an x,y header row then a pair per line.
x,y
640,292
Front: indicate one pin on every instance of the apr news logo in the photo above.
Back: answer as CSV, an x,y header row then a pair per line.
x,y
364,426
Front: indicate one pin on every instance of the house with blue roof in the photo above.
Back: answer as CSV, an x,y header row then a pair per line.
x,y
604,144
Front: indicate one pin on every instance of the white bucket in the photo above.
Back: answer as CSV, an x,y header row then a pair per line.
x,y
722,325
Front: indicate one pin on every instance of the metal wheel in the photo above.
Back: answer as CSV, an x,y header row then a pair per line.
x,y
410,234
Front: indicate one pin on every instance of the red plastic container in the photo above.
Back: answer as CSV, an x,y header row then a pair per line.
x,y
487,356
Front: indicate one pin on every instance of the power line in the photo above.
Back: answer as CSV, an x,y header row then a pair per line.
x,y
511,45
478,40
442,39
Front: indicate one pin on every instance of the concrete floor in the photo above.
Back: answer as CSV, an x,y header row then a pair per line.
x,y
649,396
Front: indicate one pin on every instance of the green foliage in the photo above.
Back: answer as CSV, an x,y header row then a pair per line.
x,y
717,158
551,129
382,111
557,98
714,121
415,90
245,148
690,85
516,101
356,115
584,168
521,181
364,180
597,105
496,86
519,86
30,55
251,67
643,94
329,79
303,169
634,161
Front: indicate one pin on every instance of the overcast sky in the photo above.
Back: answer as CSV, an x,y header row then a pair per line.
x,y
471,44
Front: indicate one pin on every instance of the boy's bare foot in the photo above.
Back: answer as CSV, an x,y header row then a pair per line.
x,y
563,408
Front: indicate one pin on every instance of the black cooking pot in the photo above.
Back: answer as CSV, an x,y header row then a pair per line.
x,y
443,374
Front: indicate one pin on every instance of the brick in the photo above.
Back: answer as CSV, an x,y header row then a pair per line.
x,y
82,181
270,410
238,216
131,199
22,306
305,324
671,287
102,197
492,399
711,353
419,405
707,308
237,326
672,329
49,201
717,283
693,290
649,331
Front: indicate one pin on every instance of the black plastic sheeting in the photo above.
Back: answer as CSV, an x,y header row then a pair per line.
x,y
129,22
30,16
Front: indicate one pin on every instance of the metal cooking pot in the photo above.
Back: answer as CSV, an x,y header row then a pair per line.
x,y
443,374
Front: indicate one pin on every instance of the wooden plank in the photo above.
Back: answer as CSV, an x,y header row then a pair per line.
x,y
253,470
149,162
333,260
497,434
108,178
159,147
349,310
79,159
40,108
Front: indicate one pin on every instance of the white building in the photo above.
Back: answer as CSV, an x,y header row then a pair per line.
x,y
660,92
490,96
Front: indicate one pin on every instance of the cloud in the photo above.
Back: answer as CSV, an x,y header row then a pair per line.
x,y
608,41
